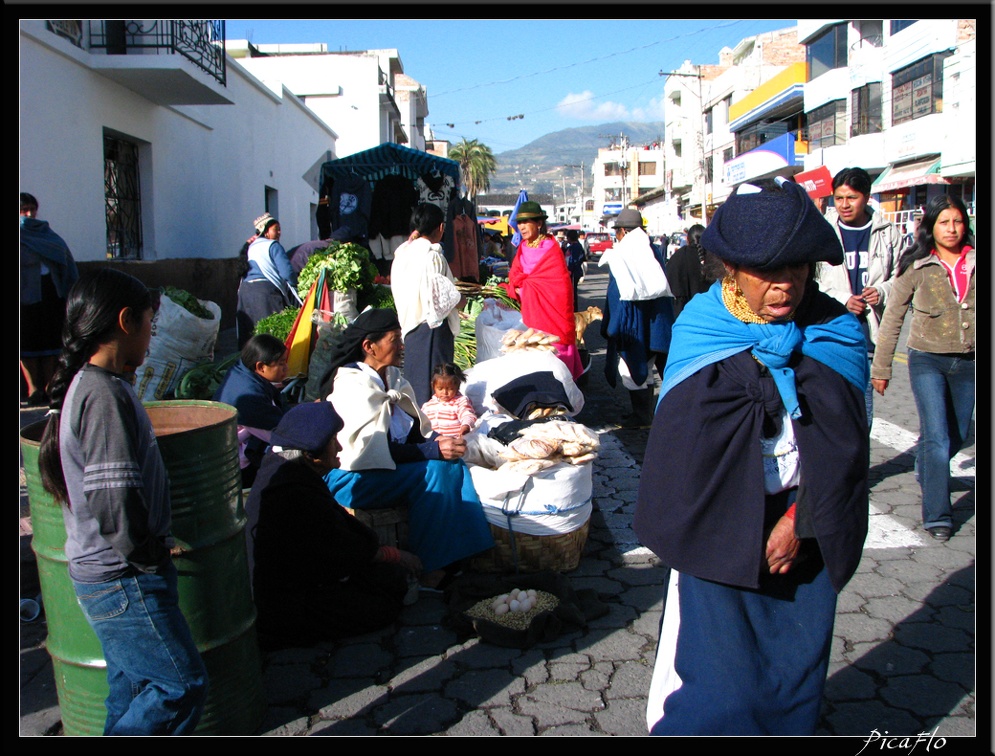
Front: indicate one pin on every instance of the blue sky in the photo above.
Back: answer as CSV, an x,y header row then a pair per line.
x,y
557,73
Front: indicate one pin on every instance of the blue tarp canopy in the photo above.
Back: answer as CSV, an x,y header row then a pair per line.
x,y
389,159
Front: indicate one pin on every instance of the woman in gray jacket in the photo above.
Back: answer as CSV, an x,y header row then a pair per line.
x,y
937,278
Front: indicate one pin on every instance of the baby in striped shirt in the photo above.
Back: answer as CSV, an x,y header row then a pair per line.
x,y
450,412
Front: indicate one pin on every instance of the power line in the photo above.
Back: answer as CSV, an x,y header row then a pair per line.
x,y
597,59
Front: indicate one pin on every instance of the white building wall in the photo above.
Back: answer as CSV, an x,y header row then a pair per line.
x,y
341,89
204,169
960,113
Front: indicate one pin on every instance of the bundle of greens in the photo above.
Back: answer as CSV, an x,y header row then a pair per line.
x,y
278,324
348,267
188,302
465,342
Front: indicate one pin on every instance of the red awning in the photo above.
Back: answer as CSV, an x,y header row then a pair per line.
x,y
911,174
818,182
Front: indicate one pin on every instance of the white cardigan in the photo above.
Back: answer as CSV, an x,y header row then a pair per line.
x,y
365,408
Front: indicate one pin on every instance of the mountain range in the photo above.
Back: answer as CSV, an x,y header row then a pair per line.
x,y
544,164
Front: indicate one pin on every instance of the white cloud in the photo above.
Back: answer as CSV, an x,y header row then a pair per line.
x,y
583,107
654,111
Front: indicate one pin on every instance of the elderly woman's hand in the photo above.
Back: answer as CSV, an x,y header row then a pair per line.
x,y
451,448
782,546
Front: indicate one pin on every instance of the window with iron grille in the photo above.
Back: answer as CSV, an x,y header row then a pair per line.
x,y
865,107
122,198
917,90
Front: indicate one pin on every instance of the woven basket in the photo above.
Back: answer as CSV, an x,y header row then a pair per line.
x,y
559,552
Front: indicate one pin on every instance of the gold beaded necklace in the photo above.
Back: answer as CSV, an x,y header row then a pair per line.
x,y
735,302
535,242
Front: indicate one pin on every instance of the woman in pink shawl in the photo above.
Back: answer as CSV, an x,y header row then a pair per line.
x,y
539,279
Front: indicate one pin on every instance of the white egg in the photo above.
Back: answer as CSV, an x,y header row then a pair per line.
x,y
503,597
525,605
495,604
501,609
532,593
514,605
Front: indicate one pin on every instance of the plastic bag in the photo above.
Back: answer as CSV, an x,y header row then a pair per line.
x,y
491,325
180,341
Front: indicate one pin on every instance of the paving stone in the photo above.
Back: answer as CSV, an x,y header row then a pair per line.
x,y
474,724
286,683
630,679
888,659
344,728
429,639
870,584
531,666
859,627
283,721
618,617
958,668
961,617
862,718
621,646
894,609
421,714
623,716
596,679
484,655
908,570
849,683
359,661
565,703
428,674
922,693
512,724
572,730
343,699
931,637
480,689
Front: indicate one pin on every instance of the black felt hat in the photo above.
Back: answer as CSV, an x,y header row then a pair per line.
x,y
770,226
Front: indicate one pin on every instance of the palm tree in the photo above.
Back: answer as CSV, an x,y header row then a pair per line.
x,y
477,163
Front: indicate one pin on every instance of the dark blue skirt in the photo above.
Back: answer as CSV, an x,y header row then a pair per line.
x,y
747,662
446,521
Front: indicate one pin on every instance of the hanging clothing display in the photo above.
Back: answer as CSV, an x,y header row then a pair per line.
x,y
350,203
435,188
394,199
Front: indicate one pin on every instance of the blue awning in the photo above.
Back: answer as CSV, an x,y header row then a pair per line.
x,y
390,159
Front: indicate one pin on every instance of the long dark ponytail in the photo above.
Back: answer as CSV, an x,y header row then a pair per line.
x,y
924,243
92,310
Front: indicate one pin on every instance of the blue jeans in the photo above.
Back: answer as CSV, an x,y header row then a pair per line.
x,y
157,680
943,388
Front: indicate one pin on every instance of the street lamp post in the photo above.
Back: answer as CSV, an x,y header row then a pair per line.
x,y
701,132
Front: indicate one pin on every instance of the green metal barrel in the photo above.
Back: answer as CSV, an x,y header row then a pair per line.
x,y
199,445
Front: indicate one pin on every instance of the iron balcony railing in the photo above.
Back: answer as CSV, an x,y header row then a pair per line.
x,y
200,42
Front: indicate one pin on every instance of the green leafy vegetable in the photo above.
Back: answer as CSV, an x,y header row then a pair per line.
x,y
188,302
348,267
278,324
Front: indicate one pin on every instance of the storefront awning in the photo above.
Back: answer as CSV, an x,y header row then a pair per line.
x,y
769,159
898,177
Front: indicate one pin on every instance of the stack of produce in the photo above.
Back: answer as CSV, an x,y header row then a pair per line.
x,y
542,445
465,345
530,338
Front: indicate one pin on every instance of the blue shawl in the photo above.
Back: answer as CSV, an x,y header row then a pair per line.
x,y
706,332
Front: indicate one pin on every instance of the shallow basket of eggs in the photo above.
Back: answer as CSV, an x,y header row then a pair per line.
x,y
517,618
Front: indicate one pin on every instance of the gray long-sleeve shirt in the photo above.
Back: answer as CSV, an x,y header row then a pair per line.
x,y
119,515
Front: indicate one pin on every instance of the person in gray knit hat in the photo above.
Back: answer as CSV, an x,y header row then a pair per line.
x,y
754,486
638,314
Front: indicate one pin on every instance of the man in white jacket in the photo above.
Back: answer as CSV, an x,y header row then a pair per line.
x,y
871,246
638,314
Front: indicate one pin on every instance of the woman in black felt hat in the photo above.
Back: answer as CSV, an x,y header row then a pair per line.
x,y
390,454
754,487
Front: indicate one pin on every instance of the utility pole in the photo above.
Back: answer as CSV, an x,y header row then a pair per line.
x,y
701,134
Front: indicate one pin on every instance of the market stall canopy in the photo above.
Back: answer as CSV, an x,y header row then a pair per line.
x,y
897,177
390,159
